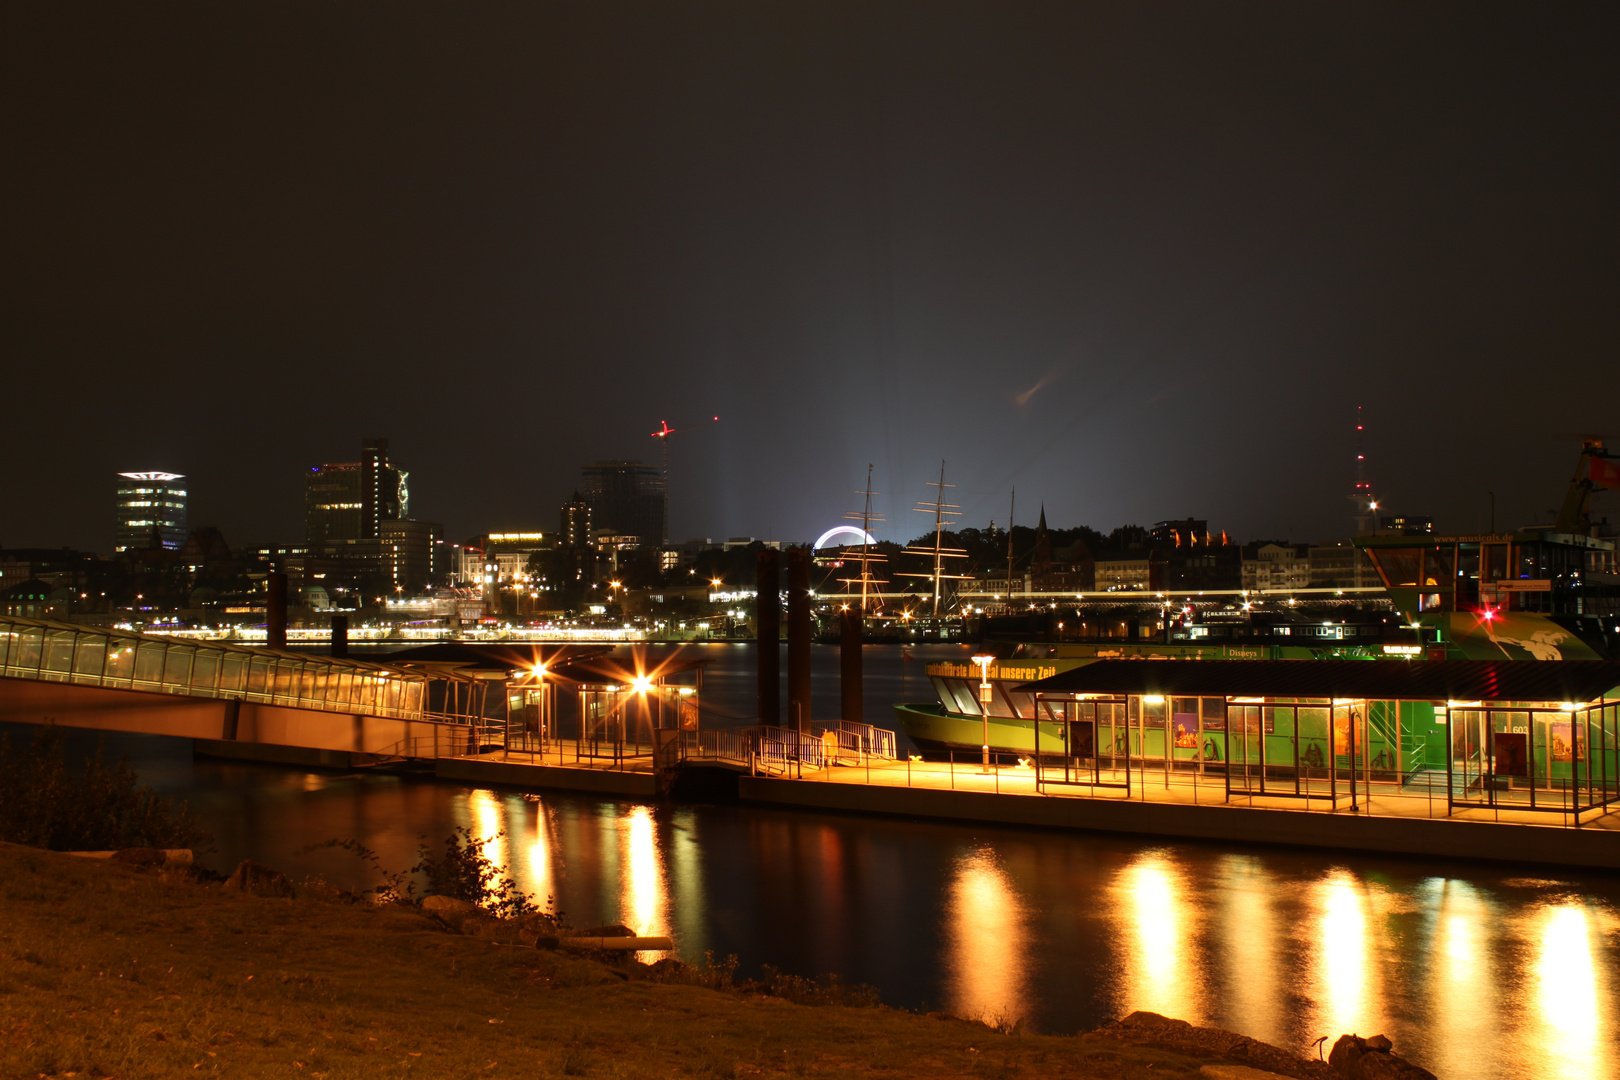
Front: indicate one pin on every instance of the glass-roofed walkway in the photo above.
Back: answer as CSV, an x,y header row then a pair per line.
x,y
119,660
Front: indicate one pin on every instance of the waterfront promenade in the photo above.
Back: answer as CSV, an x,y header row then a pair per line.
x,y
1180,805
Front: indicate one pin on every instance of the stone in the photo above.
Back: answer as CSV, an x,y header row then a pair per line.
x,y
1356,1058
250,877
449,905
615,930
1237,1072
1178,1036
452,912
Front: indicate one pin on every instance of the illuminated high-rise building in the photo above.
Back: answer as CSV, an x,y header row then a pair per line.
x,y
626,498
151,511
349,501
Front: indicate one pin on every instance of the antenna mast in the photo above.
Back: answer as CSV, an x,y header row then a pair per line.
x,y
1366,506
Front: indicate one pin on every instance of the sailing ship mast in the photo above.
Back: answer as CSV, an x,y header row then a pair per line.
x,y
868,556
939,552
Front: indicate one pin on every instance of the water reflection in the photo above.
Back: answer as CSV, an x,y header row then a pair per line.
x,y
1473,974
1248,931
1153,909
1345,979
541,874
1463,983
489,825
1566,1018
988,942
644,899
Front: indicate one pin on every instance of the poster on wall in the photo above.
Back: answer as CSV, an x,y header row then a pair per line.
x,y
1185,725
1343,721
1566,738
1511,751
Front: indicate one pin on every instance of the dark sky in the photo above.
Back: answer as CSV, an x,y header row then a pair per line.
x,y
514,238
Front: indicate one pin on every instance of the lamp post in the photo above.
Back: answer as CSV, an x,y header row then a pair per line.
x,y
983,660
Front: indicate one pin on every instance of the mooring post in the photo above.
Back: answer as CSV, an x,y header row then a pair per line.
x,y
798,561
275,610
340,636
849,665
768,634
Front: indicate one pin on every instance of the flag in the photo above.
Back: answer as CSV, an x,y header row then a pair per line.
x,y
1604,472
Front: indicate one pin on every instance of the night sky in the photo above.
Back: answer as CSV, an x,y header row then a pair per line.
x,y
1141,260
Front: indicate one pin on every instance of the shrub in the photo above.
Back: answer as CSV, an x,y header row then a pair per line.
x,y
464,872
101,807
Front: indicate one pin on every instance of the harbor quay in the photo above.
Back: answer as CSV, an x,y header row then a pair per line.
x,y
1509,760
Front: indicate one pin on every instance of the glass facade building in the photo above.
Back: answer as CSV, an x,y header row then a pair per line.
x,y
151,511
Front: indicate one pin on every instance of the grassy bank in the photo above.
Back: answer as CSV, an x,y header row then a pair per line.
x,y
109,970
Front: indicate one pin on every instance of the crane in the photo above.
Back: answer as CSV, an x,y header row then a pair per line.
x,y
662,435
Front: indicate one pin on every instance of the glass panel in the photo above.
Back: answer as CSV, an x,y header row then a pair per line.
x,y
342,689
232,672
1437,568
306,681
281,678
205,669
999,705
259,678
120,661
149,656
1398,566
29,645
59,651
92,652
1496,562
8,632
177,673
967,698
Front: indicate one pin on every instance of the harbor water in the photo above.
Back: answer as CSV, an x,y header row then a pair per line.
x,y
1474,970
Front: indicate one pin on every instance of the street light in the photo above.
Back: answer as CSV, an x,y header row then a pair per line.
x,y
983,660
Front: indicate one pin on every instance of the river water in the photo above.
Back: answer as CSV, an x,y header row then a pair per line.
x,y
1475,971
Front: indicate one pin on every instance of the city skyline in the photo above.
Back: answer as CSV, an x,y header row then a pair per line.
x,y
1136,265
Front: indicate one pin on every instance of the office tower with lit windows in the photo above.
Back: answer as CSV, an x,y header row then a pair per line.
x,y
349,501
627,498
151,511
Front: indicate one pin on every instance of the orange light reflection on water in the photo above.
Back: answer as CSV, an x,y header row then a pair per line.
x,y
987,942
1348,991
1248,933
489,825
1565,1020
1463,987
1161,972
644,899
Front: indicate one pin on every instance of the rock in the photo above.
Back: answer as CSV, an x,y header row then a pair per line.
x,y
1237,1072
456,914
1355,1058
250,877
446,906
615,930
1178,1036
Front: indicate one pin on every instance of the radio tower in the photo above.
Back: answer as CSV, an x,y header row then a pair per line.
x,y
1362,499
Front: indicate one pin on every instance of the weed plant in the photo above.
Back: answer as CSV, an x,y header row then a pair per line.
x,y
47,804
